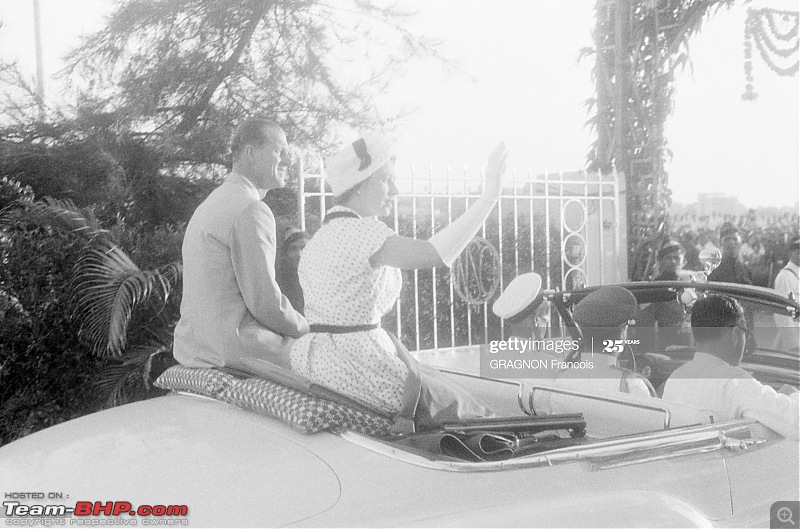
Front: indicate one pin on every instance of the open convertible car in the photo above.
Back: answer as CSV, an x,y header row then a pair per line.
x,y
239,451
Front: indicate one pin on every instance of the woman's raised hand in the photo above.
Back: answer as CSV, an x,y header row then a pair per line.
x,y
495,169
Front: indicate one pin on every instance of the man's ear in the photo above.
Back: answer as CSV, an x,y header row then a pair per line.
x,y
735,337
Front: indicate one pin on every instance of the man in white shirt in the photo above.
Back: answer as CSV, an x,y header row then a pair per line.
x,y
713,380
787,335
788,279
233,313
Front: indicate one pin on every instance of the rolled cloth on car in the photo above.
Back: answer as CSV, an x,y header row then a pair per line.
x,y
430,398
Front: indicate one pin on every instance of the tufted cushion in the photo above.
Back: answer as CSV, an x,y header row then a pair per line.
x,y
306,413
203,381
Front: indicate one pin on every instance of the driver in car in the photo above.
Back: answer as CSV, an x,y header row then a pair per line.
x,y
714,381
603,318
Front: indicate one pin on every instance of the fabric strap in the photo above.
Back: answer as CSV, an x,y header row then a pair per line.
x,y
339,215
404,421
342,329
291,239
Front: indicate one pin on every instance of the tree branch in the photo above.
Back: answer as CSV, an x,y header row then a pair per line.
x,y
189,119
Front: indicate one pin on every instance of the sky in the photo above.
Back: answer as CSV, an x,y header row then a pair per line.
x,y
519,81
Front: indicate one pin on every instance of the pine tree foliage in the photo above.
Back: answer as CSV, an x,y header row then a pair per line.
x,y
182,68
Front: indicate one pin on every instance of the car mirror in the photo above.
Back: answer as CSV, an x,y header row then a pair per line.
x,y
710,258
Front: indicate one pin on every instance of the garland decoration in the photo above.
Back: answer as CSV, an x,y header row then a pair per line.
x,y
775,35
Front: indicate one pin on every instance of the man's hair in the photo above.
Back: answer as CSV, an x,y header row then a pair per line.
x,y
253,131
712,314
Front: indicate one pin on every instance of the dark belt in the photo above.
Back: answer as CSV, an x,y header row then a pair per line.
x,y
342,329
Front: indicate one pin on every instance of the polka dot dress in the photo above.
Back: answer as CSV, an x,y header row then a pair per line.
x,y
341,288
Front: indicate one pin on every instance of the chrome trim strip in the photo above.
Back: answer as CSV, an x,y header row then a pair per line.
x,y
602,398
693,447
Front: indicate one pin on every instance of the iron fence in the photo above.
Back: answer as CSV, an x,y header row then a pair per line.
x,y
564,226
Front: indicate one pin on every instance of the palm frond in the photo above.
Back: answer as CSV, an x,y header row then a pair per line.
x,y
107,286
121,379
65,214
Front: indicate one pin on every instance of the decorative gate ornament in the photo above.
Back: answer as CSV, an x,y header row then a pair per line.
x,y
476,272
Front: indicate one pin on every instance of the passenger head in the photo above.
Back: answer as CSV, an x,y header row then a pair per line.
x,y
362,174
719,327
730,240
794,252
604,315
259,149
670,257
294,243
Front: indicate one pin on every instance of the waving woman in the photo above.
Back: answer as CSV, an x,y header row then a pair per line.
x,y
350,272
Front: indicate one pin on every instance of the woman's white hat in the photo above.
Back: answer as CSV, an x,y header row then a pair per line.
x,y
358,160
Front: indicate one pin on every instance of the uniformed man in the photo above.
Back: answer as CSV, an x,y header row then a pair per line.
x,y
732,269
603,318
524,308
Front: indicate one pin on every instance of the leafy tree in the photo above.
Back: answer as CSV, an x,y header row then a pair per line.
x,y
88,276
81,322
639,46
184,70
46,373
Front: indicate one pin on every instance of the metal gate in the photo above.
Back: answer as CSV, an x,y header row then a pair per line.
x,y
564,226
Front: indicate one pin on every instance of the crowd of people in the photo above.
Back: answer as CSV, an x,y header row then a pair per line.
x,y
765,245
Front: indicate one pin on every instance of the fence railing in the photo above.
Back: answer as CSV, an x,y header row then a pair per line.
x,y
564,226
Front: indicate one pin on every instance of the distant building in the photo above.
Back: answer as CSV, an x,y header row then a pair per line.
x,y
718,204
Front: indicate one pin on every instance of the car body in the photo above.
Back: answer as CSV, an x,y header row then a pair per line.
x,y
655,465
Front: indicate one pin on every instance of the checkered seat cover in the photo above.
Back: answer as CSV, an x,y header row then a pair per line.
x,y
202,381
306,413
302,411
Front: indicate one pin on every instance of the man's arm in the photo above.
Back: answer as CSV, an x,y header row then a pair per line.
x,y
775,410
783,283
253,257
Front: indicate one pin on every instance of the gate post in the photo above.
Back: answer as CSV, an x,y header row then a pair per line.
x,y
623,273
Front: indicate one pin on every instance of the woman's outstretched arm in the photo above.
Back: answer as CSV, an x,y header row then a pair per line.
x,y
408,253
